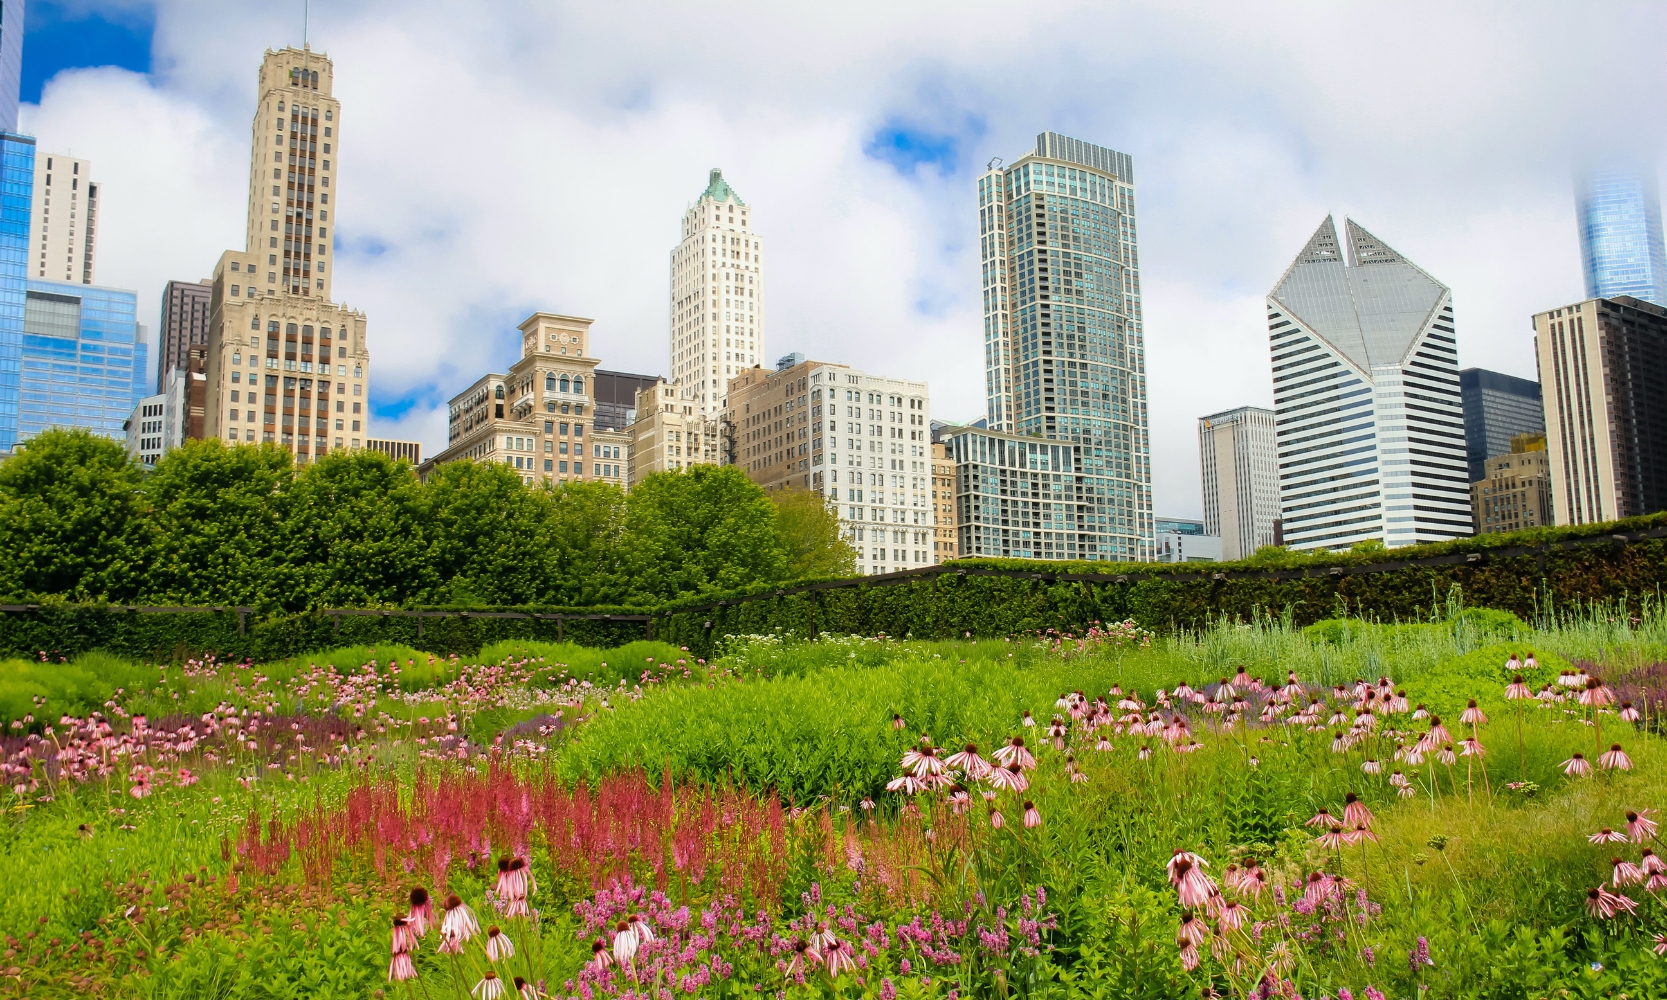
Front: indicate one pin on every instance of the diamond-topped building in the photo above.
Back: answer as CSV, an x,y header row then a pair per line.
x,y
1064,363
1369,425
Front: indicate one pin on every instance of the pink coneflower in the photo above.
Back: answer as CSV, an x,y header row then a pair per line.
x,y
897,721
1597,694
840,957
958,799
969,762
1607,836
908,784
1333,839
1253,881
1639,826
1145,752
1015,752
498,945
625,942
1471,747
1446,755
1472,715
926,763
1189,957
1102,744
1033,817
401,968
805,957
1660,944
1010,778
1355,812
490,987
404,939
1026,720
422,911
457,926
1321,818
600,957
996,819
184,777
640,928
1191,931
1651,863
1577,766
1628,713
1603,904
1232,915
527,991
1626,873
1371,766
1615,759
1517,690
1361,832
1186,874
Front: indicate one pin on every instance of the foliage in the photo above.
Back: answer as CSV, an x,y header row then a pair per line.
x,y
67,501
699,531
808,524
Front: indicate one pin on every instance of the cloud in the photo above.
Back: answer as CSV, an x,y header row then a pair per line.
x,y
501,158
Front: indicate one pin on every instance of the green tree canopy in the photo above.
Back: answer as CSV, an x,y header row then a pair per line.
x,y
808,525
67,502
706,528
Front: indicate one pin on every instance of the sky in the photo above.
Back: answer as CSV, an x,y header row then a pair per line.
x,y
501,158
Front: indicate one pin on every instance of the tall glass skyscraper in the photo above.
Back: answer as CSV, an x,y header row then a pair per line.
x,y
17,189
83,364
1621,249
1064,353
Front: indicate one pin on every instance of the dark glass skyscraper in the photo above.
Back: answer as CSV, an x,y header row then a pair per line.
x,y
1497,407
1621,249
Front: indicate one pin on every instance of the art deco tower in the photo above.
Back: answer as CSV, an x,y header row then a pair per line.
x,y
1369,423
717,296
285,362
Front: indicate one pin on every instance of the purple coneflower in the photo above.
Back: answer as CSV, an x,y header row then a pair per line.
x,y
422,911
1186,874
1355,812
1615,759
625,942
970,762
498,945
490,987
1033,817
1639,825
401,968
1607,836
1473,715
1577,766
1517,690
1626,873
840,957
1009,778
600,957
457,926
404,938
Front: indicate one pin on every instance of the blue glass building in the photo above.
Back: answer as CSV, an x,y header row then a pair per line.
x,y
1621,248
17,190
11,61
82,362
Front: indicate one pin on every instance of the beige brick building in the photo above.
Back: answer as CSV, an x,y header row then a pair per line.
x,y
943,503
286,364
64,242
1515,491
670,433
863,441
539,416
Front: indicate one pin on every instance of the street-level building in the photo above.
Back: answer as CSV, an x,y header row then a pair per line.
x,y
1182,539
862,441
1603,366
670,433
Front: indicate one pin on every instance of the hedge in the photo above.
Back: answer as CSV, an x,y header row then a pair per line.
x,y
1531,573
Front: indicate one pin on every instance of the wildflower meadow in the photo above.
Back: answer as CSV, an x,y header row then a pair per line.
x,y
1466,805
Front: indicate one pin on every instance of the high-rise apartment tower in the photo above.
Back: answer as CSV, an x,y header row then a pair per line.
x,y
1603,363
64,221
1497,408
1064,355
186,307
1368,422
717,295
1621,248
1240,479
286,364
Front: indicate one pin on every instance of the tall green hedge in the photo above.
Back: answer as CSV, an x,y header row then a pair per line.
x,y
1532,573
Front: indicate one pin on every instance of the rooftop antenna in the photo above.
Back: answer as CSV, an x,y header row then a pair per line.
x,y
306,14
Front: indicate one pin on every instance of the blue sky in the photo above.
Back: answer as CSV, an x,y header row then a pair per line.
x,y
60,36
574,140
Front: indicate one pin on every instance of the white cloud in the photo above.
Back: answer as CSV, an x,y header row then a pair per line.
x,y
500,158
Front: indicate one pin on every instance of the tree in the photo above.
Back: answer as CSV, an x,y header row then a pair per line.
x,y
68,499
485,543
808,525
703,529
357,532
214,526
583,527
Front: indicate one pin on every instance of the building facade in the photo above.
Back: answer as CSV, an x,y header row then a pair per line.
x,y
1368,423
669,434
1603,363
62,246
1238,467
286,364
1515,491
11,63
539,417
717,295
1618,212
1064,342
944,533
187,307
399,451
1182,539
83,360
17,183
1022,497
143,428
1497,408
614,395
863,441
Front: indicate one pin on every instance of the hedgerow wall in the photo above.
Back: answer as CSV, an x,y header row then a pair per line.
x,y
1532,573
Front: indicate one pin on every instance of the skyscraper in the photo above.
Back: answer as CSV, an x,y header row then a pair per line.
x,y
62,244
717,295
17,181
1368,422
1064,355
285,363
1497,407
83,360
1619,218
1603,363
186,308
1240,479
11,62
